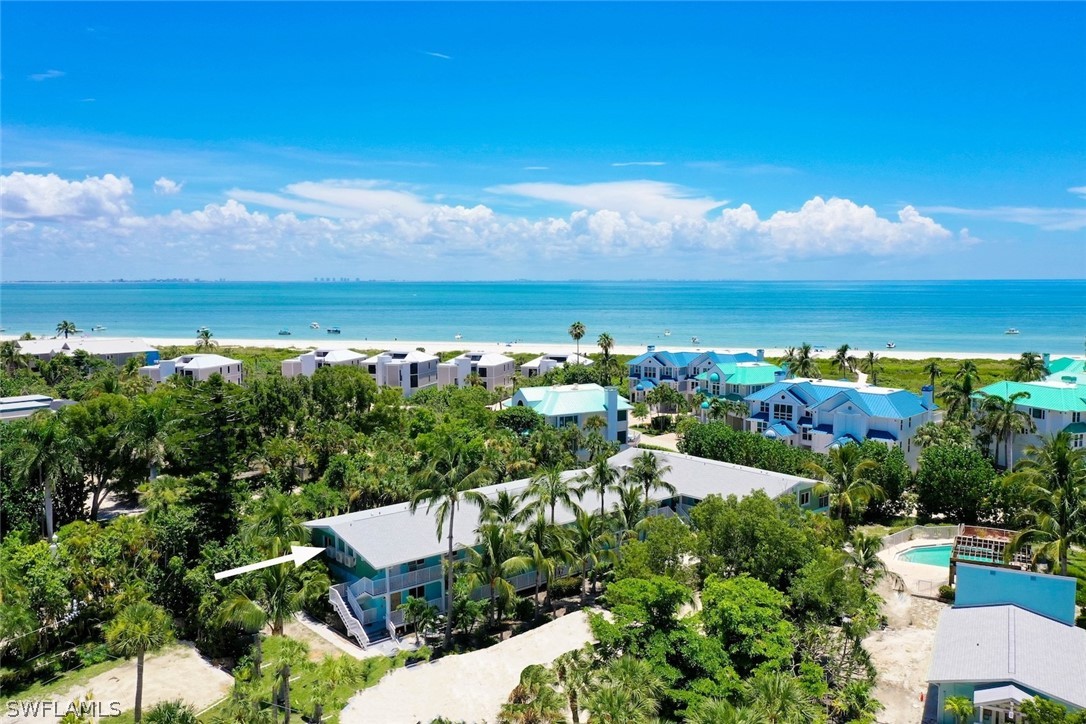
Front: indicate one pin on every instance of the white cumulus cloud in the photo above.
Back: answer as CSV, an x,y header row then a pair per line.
x,y
47,75
339,198
167,187
649,199
49,197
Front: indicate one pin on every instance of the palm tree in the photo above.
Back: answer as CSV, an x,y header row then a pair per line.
x,y
148,432
273,524
48,447
780,698
870,365
1029,368
504,509
66,328
600,478
718,408
863,556
204,339
474,380
493,559
958,393
933,371
648,474
1053,480
637,678
612,704
720,711
801,362
548,547
843,361
628,511
845,481
450,478
533,700
418,613
606,343
577,331
591,545
12,358
139,627
960,707
550,487
1003,420
273,595
172,712
573,670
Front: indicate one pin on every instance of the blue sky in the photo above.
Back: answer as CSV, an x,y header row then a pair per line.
x,y
512,140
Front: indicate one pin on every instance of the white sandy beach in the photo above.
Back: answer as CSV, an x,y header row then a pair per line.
x,y
540,347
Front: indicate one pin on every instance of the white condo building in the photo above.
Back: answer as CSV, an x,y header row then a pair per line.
x,y
111,349
308,363
822,414
494,370
411,371
198,367
544,364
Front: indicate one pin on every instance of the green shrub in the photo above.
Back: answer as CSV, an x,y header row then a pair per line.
x,y
568,586
946,593
524,609
92,653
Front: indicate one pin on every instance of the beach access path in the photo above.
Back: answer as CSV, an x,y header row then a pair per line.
x,y
510,348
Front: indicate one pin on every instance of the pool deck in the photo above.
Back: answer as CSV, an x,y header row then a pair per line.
x,y
920,579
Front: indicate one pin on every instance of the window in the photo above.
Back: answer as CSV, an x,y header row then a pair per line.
x,y
762,426
782,412
824,500
805,433
417,592
622,415
1076,417
805,497
765,407
650,372
564,420
1037,413
416,565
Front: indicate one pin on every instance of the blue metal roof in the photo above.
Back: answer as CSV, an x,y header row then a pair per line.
x,y
646,384
780,429
896,405
844,440
824,428
880,435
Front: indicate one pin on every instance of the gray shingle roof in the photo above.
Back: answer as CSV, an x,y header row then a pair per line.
x,y
392,534
995,644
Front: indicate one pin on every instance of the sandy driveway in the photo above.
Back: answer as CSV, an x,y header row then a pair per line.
x,y
469,687
902,652
176,673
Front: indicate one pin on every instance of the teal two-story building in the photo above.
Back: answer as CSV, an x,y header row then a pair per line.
x,y
380,557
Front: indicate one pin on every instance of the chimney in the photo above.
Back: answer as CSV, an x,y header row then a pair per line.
x,y
781,374
927,395
760,354
652,348
611,400
1046,357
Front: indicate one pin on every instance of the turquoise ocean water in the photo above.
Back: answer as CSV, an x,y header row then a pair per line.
x,y
927,316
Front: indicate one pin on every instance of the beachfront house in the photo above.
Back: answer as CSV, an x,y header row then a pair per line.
x,y
681,370
380,557
198,367
115,350
552,360
821,414
1009,637
492,369
308,363
410,371
20,406
1054,404
562,405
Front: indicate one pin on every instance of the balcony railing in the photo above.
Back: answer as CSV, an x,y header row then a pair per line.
x,y
397,616
399,582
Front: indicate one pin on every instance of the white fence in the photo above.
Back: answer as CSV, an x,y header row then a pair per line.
x,y
921,532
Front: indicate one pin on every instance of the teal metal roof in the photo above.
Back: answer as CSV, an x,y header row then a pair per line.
x,y
569,400
761,373
1047,395
1076,428
1066,365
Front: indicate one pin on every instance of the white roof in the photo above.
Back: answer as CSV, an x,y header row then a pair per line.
x,y
403,355
486,359
204,361
342,355
91,345
996,694
560,357
846,385
392,534
997,644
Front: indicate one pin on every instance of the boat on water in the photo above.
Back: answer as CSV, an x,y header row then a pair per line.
x,y
1012,330
695,340
284,332
333,330
667,332
202,329
458,336
98,328
890,345
314,325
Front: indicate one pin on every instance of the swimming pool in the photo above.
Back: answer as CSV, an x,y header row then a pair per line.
x,y
927,555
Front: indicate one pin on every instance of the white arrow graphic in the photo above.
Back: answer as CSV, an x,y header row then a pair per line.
x,y
298,554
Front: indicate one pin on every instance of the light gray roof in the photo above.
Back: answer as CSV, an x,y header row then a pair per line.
x,y
392,534
92,345
203,361
998,644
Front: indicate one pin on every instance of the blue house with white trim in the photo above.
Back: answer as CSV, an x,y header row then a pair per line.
x,y
821,414
1009,637
692,372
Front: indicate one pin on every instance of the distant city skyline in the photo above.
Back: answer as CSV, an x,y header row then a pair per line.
x,y
447,141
